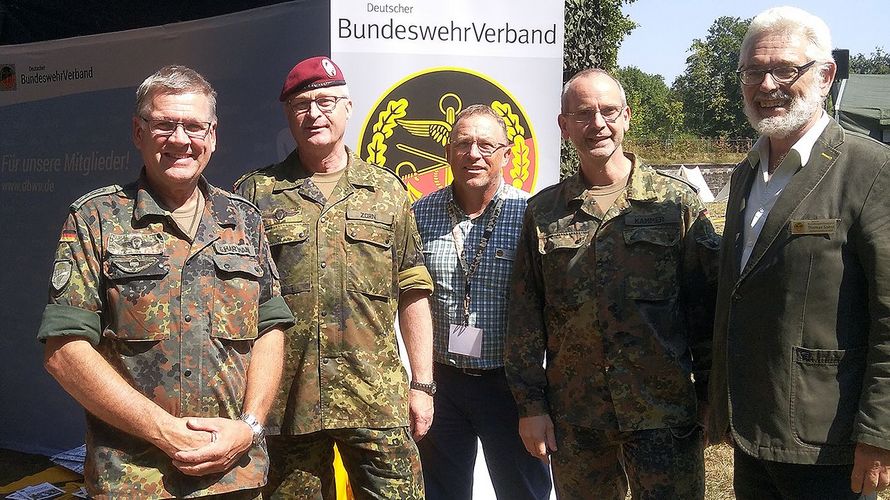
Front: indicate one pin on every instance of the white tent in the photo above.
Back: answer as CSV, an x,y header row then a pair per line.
x,y
695,177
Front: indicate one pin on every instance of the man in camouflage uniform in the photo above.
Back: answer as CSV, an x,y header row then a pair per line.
x,y
614,284
345,239
165,315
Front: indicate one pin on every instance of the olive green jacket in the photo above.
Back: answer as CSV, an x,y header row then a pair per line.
x,y
801,362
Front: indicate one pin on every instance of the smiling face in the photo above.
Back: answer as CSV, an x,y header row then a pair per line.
x,y
782,110
474,135
174,162
595,139
314,130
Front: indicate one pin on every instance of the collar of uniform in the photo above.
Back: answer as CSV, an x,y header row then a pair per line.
x,y
359,173
293,173
216,200
639,187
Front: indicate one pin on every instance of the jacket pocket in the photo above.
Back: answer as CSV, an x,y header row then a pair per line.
x,y
138,297
369,258
653,255
825,394
567,266
235,297
288,242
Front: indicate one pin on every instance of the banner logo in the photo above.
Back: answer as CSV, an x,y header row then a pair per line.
x,y
7,77
408,128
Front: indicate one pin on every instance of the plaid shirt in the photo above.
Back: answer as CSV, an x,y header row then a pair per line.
x,y
489,285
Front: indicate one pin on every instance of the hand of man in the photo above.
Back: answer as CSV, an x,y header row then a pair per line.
x,y
538,436
231,438
871,469
176,436
420,407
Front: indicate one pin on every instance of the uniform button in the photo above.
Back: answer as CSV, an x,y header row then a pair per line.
x,y
188,318
187,372
226,266
324,314
324,361
324,265
302,233
353,233
324,220
736,296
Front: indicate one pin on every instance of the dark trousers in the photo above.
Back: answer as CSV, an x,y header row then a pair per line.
x,y
467,407
756,479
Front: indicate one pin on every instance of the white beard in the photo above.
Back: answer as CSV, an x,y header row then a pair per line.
x,y
800,111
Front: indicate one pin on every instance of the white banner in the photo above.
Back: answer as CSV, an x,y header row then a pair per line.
x,y
413,65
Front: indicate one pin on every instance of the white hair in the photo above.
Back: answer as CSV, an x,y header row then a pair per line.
x,y
791,21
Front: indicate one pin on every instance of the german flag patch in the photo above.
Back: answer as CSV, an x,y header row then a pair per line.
x,y
68,235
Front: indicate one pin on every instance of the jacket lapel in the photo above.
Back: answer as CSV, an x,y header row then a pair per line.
x,y
802,183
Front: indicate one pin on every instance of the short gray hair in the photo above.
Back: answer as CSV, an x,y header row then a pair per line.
x,y
174,79
584,73
479,110
792,22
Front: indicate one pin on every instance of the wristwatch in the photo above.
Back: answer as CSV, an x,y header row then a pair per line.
x,y
427,388
255,426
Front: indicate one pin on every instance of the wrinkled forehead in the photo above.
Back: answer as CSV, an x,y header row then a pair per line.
x,y
774,48
479,126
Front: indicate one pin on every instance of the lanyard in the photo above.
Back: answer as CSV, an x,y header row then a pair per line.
x,y
458,238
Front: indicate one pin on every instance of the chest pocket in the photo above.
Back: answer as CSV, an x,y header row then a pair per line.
x,y
369,256
236,294
567,266
138,296
289,244
653,253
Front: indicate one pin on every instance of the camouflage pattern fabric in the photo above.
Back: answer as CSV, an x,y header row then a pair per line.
x,y
344,262
621,304
380,463
175,318
660,463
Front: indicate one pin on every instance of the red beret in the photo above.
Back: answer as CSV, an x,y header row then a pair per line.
x,y
312,73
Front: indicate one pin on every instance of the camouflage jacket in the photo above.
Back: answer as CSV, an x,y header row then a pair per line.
x,y
175,318
621,306
343,263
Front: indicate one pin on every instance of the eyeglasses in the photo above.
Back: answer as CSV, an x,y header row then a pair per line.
x,y
610,114
781,74
485,149
325,104
165,128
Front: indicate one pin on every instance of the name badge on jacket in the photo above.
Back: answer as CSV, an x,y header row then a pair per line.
x,y
814,226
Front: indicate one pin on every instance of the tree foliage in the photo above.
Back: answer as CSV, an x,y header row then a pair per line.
x,y
594,30
655,111
878,63
709,89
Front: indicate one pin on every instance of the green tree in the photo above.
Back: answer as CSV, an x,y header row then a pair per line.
x,y
878,63
709,89
655,110
594,30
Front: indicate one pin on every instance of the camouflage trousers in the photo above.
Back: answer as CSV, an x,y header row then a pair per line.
x,y
658,463
380,463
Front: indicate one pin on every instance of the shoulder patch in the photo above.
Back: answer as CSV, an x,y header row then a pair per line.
x,y
94,194
675,177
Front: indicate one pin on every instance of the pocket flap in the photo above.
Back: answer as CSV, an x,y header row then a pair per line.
x,y
238,264
136,266
548,243
665,236
369,233
287,232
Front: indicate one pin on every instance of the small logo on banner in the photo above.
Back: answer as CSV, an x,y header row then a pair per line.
x,y
7,77
408,128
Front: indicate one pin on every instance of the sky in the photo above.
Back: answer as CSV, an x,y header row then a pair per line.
x,y
665,30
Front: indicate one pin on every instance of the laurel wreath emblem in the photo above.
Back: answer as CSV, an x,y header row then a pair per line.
x,y
515,134
386,122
